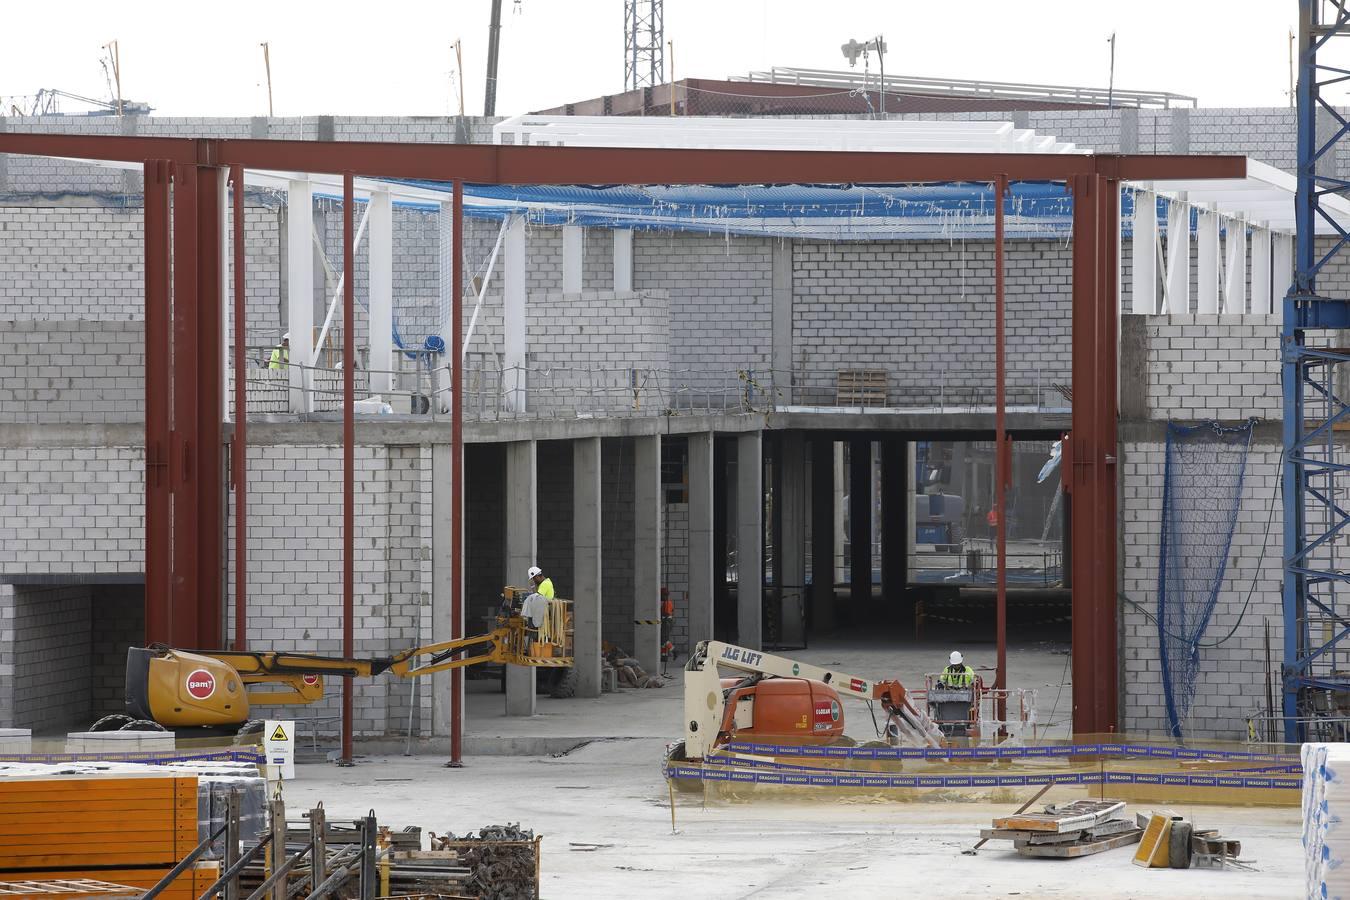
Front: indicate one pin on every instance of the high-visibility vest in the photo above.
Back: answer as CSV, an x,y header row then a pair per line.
x,y
545,588
281,358
958,676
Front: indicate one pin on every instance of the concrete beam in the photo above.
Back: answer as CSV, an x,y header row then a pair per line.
x,y
587,608
380,246
749,540
822,534
573,253
623,260
300,291
781,357
790,537
647,551
443,553
701,569
522,519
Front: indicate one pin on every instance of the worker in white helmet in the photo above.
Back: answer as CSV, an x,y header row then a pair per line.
x,y
957,674
281,354
535,606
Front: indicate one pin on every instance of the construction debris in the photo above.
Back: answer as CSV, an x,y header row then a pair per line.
x,y
1082,828
503,860
1170,841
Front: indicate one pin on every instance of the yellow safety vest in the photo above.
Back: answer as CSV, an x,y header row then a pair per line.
x,y
957,676
281,358
545,588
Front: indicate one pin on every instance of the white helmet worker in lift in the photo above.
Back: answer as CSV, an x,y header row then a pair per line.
x,y
957,674
536,604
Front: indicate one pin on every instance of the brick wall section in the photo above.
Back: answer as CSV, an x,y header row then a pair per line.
x,y
117,622
616,530
1210,366
485,530
72,510
1230,685
72,371
554,508
675,569
922,310
71,263
49,654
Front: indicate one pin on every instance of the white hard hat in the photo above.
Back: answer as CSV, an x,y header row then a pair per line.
x,y
286,336
957,658
535,570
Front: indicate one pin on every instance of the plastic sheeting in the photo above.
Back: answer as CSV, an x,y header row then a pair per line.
x,y
1326,831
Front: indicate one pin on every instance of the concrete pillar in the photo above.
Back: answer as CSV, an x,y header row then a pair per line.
x,y
749,540
860,522
623,260
574,250
781,359
513,315
442,555
380,245
647,551
822,534
521,536
790,552
587,608
1207,259
897,473
701,569
300,290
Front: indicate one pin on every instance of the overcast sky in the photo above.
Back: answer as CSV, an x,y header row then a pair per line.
x,y
394,57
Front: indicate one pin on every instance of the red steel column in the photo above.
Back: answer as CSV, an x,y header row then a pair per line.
x,y
1000,448
1092,457
239,454
348,456
457,468
183,467
209,470
158,404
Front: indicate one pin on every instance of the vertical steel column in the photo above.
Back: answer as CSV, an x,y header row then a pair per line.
x,y
1092,454
158,404
348,456
239,454
1000,448
457,466
183,468
209,469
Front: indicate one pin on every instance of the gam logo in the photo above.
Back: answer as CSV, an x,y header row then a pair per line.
x,y
201,684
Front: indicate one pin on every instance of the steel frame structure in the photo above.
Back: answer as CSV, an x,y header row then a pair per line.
x,y
1314,472
644,39
184,434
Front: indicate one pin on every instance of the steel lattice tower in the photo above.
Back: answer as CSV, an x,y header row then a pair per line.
x,y
644,60
1316,470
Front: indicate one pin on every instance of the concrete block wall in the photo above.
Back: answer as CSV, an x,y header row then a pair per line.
x,y
117,621
485,530
675,569
77,510
63,262
72,371
922,310
1231,680
617,525
554,510
44,642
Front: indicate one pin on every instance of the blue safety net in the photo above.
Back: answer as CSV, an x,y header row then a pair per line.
x,y
1202,492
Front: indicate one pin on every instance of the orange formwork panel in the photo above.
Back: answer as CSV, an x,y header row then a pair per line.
x,y
56,822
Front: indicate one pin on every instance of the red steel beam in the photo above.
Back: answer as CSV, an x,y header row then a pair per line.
x,y
209,469
348,455
457,468
1105,577
239,450
1000,451
158,404
184,463
505,164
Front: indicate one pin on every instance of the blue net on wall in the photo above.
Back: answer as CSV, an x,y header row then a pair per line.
x,y
1202,492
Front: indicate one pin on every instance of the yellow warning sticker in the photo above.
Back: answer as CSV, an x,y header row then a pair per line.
x,y
279,734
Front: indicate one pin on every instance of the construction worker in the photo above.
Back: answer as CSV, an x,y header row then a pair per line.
x,y
540,582
281,354
957,674
535,606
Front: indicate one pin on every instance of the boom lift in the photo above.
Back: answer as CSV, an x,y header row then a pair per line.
x,y
782,699
214,689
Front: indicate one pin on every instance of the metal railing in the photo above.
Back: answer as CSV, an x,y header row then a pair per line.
x,y
421,385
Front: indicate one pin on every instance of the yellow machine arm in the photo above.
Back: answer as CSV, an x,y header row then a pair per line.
x,y
180,688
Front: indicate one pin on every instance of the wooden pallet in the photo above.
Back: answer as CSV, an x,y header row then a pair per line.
x,y
860,387
1086,847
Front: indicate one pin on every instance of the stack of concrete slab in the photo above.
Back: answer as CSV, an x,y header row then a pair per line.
x,y
119,742
15,741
